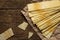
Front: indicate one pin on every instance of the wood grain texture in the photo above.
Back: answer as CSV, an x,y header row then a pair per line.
x,y
11,19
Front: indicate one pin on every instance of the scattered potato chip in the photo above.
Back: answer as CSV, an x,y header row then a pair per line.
x,y
23,25
7,34
30,34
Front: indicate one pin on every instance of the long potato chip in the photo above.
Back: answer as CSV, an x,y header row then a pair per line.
x,y
48,33
48,19
49,23
36,13
39,17
43,5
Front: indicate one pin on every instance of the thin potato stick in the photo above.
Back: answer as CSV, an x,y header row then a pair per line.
x,y
49,18
35,13
48,33
38,18
49,23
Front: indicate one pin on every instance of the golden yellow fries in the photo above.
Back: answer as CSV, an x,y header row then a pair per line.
x,y
46,16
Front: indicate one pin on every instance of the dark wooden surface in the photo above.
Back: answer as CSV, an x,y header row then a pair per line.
x,y
11,17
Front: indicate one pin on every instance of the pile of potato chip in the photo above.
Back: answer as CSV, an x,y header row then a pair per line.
x,y
46,16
